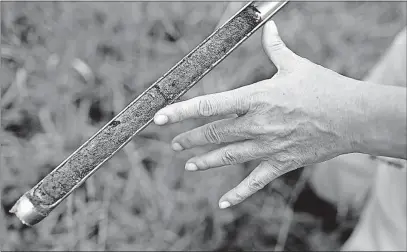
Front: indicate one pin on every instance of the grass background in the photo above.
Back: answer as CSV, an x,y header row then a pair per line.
x,y
68,67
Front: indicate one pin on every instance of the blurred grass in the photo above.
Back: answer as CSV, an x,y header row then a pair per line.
x,y
142,199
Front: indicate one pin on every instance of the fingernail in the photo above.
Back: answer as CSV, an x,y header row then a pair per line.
x,y
161,119
191,167
177,147
224,204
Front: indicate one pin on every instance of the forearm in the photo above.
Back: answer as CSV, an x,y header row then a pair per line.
x,y
379,120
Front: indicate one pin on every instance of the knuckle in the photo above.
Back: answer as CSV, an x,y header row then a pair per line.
x,y
275,44
204,164
206,108
211,134
183,111
255,183
259,126
185,140
239,195
283,159
258,100
176,112
229,157
274,172
241,106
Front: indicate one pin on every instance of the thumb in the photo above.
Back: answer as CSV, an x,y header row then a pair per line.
x,y
275,48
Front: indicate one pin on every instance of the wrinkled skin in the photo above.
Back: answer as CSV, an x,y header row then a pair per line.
x,y
303,115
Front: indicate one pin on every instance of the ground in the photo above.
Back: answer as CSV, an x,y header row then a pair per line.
x,y
68,67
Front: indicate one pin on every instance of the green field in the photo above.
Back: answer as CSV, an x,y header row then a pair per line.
x,y
68,67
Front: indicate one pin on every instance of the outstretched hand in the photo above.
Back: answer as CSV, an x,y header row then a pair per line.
x,y
294,119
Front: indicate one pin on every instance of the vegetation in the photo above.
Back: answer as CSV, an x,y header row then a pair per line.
x,y
68,67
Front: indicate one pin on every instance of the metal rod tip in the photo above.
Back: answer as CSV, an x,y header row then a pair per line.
x,y
26,211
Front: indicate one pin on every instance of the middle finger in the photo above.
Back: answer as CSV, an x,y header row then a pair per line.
x,y
222,131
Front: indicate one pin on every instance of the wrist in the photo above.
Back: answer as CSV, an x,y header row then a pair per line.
x,y
377,121
349,114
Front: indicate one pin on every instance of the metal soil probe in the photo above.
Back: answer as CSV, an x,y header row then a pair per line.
x,y
38,202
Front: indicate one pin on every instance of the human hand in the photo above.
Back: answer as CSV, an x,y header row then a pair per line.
x,y
297,118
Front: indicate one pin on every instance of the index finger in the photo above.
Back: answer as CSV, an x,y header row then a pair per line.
x,y
224,103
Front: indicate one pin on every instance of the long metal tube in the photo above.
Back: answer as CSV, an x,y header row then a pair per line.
x,y
37,203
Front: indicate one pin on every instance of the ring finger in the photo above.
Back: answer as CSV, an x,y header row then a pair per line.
x,y
222,131
234,153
